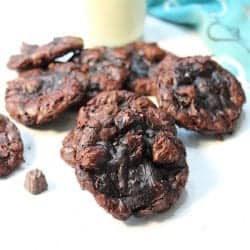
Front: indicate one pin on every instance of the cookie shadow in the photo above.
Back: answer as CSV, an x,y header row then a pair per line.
x,y
194,140
242,124
29,150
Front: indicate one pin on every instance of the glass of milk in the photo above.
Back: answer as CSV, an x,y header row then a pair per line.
x,y
113,22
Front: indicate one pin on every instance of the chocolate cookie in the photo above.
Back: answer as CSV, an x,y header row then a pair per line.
x,y
104,68
11,147
126,153
200,95
38,56
39,96
143,58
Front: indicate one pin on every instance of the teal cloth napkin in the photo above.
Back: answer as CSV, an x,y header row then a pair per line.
x,y
224,25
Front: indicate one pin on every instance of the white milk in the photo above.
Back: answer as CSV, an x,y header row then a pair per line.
x,y
113,22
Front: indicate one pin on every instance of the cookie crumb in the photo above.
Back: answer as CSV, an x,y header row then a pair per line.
x,y
35,181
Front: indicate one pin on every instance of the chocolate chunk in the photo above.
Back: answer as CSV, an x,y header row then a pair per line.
x,y
35,181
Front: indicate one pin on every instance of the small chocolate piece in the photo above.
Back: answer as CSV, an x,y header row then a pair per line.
x,y
11,147
104,68
39,96
35,181
40,56
126,153
200,95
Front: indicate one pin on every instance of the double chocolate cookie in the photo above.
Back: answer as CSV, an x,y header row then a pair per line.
x,y
11,147
33,56
39,95
104,69
126,153
200,95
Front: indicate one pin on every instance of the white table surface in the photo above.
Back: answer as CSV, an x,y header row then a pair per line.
x,y
212,213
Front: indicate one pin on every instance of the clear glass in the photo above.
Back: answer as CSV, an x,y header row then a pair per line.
x,y
113,22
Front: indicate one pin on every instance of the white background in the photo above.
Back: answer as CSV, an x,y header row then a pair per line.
x,y
213,212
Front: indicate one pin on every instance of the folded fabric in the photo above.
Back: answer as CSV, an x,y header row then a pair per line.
x,y
224,25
